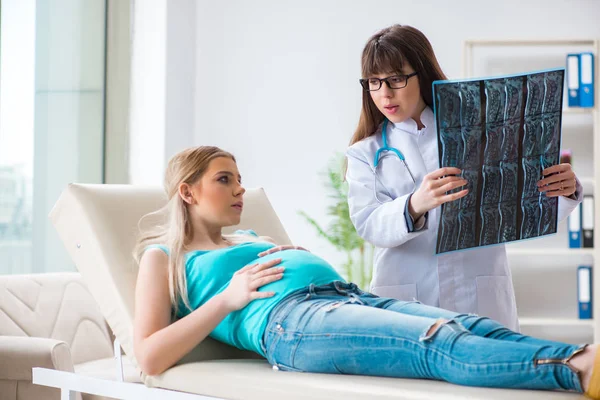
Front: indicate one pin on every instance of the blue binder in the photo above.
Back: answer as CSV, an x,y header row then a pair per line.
x,y
574,223
584,292
587,221
586,80
573,79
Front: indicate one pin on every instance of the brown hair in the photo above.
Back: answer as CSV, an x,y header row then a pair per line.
x,y
388,51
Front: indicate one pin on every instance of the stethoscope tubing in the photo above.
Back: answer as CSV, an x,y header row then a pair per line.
x,y
379,154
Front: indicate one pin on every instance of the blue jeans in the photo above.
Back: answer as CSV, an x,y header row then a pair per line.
x,y
339,329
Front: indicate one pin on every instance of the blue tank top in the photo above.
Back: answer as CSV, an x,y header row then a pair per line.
x,y
208,273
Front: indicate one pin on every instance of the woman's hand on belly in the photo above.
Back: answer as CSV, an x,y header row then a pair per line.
x,y
243,287
280,248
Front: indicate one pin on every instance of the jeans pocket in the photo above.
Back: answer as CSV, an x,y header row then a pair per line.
x,y
283,367
272,337
282,349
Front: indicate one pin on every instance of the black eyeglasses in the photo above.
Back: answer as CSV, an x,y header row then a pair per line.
x,y
393,82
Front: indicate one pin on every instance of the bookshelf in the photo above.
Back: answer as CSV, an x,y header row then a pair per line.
x,y
543,252
550,262
556,322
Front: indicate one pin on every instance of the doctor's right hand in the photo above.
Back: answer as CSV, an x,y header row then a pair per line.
x,y
244,285
433,191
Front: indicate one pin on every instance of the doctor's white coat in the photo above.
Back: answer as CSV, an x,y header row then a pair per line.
x,y
405,265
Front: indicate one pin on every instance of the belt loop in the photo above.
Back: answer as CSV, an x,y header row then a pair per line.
x,y
355,298
336,286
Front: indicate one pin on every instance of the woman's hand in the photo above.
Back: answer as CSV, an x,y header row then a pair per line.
x,y
559,180
433,189
280,248
243,287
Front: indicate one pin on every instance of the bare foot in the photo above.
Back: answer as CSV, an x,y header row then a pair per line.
x,y
584,362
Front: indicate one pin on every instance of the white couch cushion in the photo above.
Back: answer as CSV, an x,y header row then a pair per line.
x,y
256,380
106,368
56,306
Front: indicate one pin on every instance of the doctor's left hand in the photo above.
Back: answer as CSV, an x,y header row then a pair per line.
x,y
559,180
280,248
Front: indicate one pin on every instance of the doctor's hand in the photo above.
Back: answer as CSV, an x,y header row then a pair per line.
x,y
559,180
280,248
433,189
244,285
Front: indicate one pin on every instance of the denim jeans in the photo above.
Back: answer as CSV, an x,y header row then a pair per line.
x,y
339,329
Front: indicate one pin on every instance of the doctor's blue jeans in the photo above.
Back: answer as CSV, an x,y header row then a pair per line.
x,y
339,329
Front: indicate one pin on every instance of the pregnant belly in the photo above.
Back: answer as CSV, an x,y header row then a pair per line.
x,y
301,269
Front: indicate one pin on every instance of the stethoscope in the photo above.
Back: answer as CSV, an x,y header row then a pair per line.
x,y
388,151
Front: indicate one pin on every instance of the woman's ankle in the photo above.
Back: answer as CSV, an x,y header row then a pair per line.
x,y
584,363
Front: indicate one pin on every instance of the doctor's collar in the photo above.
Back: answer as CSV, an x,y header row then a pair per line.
x,y
410,125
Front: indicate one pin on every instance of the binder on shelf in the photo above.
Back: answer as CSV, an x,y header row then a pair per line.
x,y
584,292
574,223
573,79
586,80
587,220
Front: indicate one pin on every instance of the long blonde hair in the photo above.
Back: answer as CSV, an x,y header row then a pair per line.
x,y
171,225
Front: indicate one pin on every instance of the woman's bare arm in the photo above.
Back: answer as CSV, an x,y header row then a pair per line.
x,y
158,344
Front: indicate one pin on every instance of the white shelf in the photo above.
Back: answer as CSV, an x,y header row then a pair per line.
x,y
531,42
549,252
578,110
556,322
587,181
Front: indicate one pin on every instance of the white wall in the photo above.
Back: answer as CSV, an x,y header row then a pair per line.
x,y
148,91
162,85
277,81
181,75
118,78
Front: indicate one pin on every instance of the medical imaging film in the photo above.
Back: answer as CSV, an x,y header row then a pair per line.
x,y
502,132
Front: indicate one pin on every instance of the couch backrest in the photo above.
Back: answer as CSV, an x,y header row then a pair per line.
x,y
98,224
57,306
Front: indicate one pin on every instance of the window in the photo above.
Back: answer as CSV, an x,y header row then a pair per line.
x,y
52,102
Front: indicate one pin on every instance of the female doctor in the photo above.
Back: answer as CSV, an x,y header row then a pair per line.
x,y
395,194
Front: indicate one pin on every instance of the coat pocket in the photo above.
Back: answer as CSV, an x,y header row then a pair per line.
x,y
496,299
406,292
